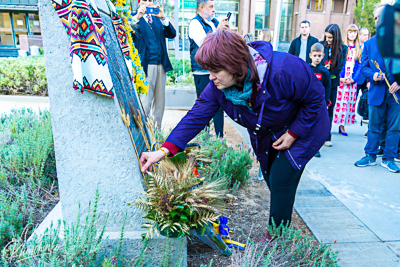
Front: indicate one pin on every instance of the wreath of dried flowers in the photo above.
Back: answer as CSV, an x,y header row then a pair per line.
x,y
177,200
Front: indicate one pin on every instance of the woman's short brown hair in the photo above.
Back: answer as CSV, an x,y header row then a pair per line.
x,y
226,50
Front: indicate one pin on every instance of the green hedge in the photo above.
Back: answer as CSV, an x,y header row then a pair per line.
x,y
27,76
176,75
23,76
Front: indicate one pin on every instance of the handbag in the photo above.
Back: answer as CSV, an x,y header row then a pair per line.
x,y
362,109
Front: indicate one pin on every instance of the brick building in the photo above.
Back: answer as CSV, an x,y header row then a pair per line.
x,y
250,16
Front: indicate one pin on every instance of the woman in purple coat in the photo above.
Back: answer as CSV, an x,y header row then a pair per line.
x,y
274,95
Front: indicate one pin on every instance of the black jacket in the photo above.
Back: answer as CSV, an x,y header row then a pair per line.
x,y
296,44
324,77
335,82
141,39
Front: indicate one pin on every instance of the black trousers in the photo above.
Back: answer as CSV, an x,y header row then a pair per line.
x,y
282,181
201,81
330,110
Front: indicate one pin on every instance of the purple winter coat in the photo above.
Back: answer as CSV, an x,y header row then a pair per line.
x,y
291,97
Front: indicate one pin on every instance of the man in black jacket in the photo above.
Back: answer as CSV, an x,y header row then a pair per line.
x,y
149,39
301,46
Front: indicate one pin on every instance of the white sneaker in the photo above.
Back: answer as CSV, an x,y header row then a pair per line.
x,y
328,144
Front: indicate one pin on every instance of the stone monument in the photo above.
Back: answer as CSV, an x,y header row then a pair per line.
x,y
92,145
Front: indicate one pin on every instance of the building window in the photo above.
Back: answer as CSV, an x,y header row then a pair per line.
x,y
319,5
308,4
262,16
222,8
17,26
34,23
6,35
20,26
286,21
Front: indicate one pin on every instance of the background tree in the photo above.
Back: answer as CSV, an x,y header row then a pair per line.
x,y
363,14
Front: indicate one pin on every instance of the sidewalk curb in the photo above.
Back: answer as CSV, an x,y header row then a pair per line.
x,y
22,98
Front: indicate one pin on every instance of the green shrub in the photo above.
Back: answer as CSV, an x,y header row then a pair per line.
x,y
15,214
287,248
26,151
176,75
78,247
231,164
23,76
28,186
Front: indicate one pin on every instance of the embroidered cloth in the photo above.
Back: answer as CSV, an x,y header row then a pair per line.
x,y
84,26
345,108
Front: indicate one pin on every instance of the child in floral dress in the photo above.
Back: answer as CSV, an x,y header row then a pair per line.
x,y
345,108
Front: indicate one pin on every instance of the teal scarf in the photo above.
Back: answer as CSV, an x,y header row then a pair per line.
x,y
240,97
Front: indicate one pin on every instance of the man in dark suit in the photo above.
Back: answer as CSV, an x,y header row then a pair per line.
x,y
149,38
381,103
301,46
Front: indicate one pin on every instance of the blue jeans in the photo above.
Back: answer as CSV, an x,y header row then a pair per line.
x,y
376,117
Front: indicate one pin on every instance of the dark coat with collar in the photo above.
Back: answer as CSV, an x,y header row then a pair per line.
x,y
141,40
291,97
296,44
377,90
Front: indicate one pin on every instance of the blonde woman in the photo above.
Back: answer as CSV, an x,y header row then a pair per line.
x,y
265,35
344,112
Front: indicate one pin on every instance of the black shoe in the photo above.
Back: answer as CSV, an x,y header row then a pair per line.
x,y
366,135
318,154
398,158
380,152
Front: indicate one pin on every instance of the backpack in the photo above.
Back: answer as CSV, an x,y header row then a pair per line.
x,y
362,109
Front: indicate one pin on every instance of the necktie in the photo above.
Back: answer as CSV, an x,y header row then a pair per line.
x,y
149,21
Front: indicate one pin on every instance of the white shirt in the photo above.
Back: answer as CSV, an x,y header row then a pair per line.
x,y
164,21
197,33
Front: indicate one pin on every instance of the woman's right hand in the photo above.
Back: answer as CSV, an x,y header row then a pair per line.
x,y
148,158
328,66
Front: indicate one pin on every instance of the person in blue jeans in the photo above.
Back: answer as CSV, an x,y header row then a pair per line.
x,y
381,102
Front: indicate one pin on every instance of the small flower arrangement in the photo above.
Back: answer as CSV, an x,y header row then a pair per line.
x,y
328,62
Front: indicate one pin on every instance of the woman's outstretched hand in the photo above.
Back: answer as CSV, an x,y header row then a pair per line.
x,y
284,142
148,158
